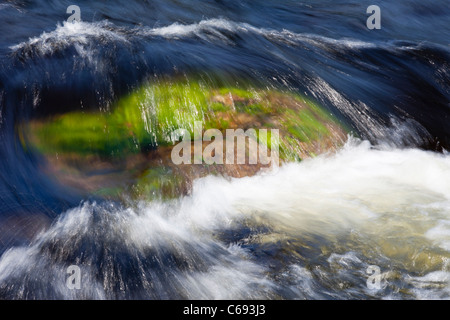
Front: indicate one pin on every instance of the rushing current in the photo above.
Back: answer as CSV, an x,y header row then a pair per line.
x,y
369,221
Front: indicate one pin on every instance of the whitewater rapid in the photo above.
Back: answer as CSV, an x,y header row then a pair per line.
x,y
303,230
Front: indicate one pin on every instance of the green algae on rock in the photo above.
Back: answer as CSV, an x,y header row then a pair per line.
x,y
145,119
140,125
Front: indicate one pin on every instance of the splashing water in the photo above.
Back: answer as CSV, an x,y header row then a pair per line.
x,y
306,230
314,229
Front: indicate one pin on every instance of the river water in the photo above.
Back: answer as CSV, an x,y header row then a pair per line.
x,y
314,229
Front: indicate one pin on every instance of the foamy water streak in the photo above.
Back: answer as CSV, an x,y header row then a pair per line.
x,y
211,30
305,230
66,34
203,30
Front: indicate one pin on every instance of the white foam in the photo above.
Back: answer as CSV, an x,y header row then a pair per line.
x,y
177,30
67,34
303,284
440,234
80,34
432,286
356,189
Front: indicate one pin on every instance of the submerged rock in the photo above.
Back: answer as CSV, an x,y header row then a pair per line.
x,y
130,147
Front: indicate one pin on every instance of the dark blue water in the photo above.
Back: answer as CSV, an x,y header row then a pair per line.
x,y
390,85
